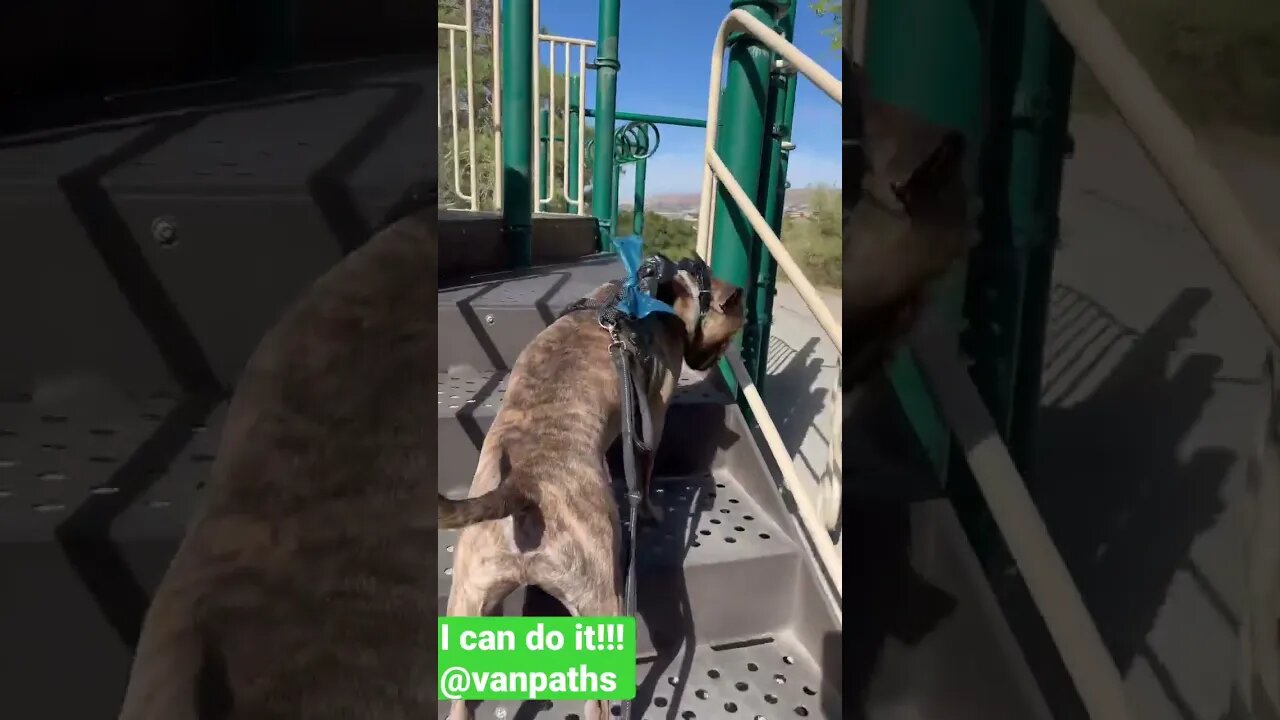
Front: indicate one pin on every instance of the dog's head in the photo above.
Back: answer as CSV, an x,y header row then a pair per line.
x,y
710,309
911,218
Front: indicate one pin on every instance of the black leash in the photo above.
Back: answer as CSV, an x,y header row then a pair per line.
x,y
625,349
634,400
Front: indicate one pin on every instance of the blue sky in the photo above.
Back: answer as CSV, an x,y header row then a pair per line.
x,y
665,51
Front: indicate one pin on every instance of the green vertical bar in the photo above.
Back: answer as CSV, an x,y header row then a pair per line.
x,y
637,210
544,145
517,130
1030,92
781,111
617,180
740,144
603,194
571,146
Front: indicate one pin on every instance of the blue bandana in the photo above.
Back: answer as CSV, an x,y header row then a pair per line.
x,y
636,303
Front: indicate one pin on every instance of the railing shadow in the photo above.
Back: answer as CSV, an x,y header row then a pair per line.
x,y
1114,458
796,400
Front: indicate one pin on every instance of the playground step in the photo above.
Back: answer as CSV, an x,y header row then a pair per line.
x,y
725,565
486,320
776,675
96,488
927,639
715,545
163,212
726,570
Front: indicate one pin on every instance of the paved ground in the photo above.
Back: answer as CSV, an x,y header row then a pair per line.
x,y
803,367
1150,404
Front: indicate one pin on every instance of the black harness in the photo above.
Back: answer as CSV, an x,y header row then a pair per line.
x,y
630,349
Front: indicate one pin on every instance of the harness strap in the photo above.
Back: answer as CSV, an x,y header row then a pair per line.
x,y
633,393
626,390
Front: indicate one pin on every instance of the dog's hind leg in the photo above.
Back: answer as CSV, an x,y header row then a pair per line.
x,y
595,596
476,591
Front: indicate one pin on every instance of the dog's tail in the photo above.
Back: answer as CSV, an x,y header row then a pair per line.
x,y
506,499
509,498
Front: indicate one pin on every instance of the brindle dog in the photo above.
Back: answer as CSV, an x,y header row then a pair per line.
x,y
910,224
541,509
306,586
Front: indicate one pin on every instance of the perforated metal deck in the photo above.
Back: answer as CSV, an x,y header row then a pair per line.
x,y
146,457
96,488
768,677
706,651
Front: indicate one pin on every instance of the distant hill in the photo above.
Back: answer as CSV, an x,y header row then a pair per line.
x,y
676,202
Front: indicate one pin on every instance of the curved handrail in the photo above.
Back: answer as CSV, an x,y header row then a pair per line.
x,y
1076,636
714,170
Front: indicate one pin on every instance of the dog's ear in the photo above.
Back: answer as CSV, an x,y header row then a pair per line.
x,y
932,177
726,298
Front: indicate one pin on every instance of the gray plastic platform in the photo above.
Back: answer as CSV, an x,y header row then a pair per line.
x,y
96,488
118,343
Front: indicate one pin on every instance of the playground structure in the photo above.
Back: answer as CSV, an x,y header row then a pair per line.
x,y
731,532
110,411
1005,82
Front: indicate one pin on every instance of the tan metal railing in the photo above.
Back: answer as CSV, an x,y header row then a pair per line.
x,y
1253,262
453,30
810,512
458,127
574,195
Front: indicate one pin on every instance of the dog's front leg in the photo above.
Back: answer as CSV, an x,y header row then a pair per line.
x,y
649,512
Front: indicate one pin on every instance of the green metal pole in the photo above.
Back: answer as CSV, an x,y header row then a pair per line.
x,y
617,180
655,119
764,268
571,145
926,56
544,144
741,144
637,210
1030,92
517,130
604,198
